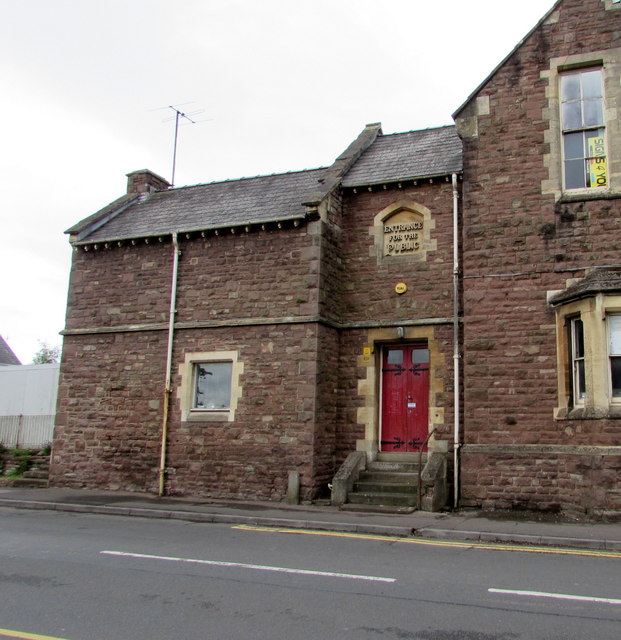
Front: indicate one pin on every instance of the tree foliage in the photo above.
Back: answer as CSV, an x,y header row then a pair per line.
x,y
46,354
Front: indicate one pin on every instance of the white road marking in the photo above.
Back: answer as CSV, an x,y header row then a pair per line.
x,y
558,596
256,567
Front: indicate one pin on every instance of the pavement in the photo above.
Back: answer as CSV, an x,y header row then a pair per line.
x,y
466,525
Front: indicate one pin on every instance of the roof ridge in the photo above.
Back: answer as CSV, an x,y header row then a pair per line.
x,y
229,180
401,133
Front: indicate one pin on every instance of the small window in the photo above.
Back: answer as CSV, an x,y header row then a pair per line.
x,y
583,128
212,386
576,331
614,354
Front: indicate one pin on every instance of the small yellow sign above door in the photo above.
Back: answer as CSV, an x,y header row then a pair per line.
x,y
401,288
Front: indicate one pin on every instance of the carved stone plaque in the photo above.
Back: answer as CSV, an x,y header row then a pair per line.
x,y
403,234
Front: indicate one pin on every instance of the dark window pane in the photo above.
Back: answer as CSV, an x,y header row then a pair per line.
x,y
420,356
573,145
580,382
212,385
395,356
578,339
614,335
575,174
592,84
577,360
615,376
570,87
593,113
572,115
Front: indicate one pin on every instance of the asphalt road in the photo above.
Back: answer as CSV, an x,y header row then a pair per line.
x,y
89,577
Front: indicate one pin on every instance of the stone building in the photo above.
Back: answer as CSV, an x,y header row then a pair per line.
x,y
541,232
452,290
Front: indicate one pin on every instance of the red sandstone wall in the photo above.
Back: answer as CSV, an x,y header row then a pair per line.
x,y
109,411
274,427
511,228
368,287
573,484
112,384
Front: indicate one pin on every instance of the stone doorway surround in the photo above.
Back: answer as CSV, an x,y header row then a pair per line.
x,y
369,386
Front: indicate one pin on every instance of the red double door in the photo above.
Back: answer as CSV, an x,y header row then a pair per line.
x,y
405,398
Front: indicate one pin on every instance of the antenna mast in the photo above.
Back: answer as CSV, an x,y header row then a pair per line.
x,y
178,116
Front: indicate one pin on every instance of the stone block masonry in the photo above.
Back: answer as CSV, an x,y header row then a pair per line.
x,y
523,236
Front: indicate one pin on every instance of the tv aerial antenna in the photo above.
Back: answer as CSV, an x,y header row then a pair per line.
x,y
179,116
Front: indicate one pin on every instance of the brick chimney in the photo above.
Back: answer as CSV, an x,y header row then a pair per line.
x,y
145,181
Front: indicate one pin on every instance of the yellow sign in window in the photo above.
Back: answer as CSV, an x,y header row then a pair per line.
x,y
597,162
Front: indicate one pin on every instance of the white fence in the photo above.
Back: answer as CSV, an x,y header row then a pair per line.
x,y
28,405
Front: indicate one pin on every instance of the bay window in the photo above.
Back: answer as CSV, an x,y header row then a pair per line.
x,y
588,330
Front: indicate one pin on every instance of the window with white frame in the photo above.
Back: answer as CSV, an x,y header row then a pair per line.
x,y
583,129
583,94
614,354
576,341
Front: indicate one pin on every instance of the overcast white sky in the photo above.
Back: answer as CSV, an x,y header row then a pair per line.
x,y
285,85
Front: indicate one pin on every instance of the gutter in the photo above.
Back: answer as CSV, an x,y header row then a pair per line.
x,y
167,388
246,226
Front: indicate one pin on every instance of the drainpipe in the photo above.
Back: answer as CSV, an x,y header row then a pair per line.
x,y
456,380
167,390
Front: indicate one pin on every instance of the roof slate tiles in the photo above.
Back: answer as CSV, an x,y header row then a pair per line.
x,y
6,354
213,205
598,281
400,156
386,158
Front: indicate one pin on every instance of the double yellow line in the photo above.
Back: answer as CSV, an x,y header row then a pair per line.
x,y
441,543
22,635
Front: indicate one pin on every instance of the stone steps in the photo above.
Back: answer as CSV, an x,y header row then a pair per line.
x,y
37,476
383,498
392,467
373,485
30,483
388,485
375,508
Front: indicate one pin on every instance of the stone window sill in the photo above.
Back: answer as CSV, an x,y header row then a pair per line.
x,y
612,412
589,194
208,416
